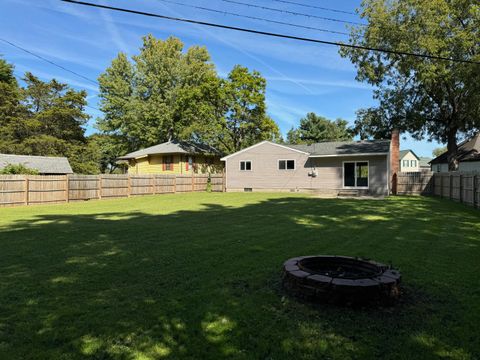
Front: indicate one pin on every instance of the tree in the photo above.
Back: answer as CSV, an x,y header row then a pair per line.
x,y
314,128
245,121
45,118
439,151
159,96
429,98
167,93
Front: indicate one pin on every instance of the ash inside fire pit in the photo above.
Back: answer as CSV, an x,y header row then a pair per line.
x,y
341,279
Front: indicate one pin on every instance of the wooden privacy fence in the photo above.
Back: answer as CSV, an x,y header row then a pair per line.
x,y
38,189
463,187
458,186
415,183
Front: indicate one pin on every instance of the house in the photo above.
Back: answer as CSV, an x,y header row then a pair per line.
x,y
363,167
174,157
45,165
468,157
409,161
425,163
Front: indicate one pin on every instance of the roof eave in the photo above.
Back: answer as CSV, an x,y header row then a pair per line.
x,y
344,155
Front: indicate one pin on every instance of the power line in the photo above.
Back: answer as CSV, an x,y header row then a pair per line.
x,y
315,7
255,18
277,35
49,61
292,12
19,77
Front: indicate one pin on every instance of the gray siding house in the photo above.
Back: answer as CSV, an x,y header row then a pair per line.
x,y
327,167
468,157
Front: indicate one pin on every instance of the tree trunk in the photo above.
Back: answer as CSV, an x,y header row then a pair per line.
x,y
452,149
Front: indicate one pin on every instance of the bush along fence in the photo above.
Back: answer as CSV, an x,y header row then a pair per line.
x,y
40,189
463,187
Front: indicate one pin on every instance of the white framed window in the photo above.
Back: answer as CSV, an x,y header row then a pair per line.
x,y
405,163
356,174
245,165
413,163
286,164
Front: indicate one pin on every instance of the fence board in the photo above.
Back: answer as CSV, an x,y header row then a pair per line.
x,y
38,189
415,183
463,187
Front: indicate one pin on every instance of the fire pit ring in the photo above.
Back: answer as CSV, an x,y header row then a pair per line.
x,y
341,279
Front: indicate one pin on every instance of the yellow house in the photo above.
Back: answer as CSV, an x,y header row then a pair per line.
x,y
174,157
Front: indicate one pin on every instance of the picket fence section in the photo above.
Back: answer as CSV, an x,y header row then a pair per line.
x,y
41,189
415,183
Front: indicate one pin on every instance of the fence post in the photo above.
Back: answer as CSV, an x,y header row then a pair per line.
x,y
99,187
174,184
193,182
153,185
129,186
475,203
67,188
450,187
27,189
461,189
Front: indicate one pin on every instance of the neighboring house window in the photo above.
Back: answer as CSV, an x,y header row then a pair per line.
x,y
405,163
246,165
355,174
413,163
168,163
286,164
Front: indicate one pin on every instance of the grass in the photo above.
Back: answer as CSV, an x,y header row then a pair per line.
x,y
197,276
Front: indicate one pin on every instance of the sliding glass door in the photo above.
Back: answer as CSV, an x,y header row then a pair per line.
x,y
355,174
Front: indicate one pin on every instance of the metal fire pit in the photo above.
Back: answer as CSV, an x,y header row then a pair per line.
x,y
341,279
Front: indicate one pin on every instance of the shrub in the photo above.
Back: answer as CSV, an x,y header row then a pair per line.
x,y
19,169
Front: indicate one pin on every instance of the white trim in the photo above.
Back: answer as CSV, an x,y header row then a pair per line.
x,y
348,155
294,165
355,175
245,161
261,143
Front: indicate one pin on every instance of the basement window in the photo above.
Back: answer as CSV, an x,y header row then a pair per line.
x,y
246,165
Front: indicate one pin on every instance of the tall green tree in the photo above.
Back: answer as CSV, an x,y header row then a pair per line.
x,y
245,120
439,151
158,95
436,99
45,118
314,128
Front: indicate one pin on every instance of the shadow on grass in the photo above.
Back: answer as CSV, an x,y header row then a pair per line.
x,y
205,284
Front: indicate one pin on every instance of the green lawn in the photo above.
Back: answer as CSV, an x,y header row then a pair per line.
x,y
197,276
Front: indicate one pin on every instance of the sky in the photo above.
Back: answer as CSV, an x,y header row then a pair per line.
x,y
301,77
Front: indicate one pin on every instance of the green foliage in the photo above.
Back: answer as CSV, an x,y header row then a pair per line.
x,y
167,93
18,169
439,151
197,276
314,128
44,118
429,98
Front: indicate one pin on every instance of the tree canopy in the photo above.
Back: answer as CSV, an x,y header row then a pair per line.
x,y
44,118
314,128
167,93
434,99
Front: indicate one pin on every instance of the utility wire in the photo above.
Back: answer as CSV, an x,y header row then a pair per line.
x,y
255,18
277,35
315,7
49,61
291,12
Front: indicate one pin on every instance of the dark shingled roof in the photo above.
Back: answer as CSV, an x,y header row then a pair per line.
x,y
173,147
468,150
43,164
345,147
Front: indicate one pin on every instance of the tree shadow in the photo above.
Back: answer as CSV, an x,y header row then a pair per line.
x,y
205,284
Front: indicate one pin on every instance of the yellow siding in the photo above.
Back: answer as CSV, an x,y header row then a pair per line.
x,y
154,165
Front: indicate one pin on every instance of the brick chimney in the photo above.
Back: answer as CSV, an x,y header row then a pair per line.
x,y
394,159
